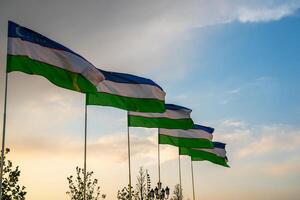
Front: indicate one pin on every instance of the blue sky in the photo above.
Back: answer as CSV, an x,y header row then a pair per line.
x,y
235,63
248,71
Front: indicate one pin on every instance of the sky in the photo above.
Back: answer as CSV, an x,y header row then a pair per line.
x,y
235,63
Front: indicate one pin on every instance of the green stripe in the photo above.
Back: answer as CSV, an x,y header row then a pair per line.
x,y
57,76
198,155
185,142
138,121
126,103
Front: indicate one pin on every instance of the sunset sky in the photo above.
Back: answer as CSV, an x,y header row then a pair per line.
x,y
235,63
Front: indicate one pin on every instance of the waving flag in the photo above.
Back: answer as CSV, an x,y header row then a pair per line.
x,y
33,53
197,137
175,117
128,92
216,155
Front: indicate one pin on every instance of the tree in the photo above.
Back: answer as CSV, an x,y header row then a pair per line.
x,y
11,190
124,194
141,186
177,193
148,184
76,186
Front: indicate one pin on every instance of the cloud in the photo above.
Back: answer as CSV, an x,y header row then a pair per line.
x,y
267,150
234,91
139,37
112,147
233,123
272,140
266,14
253,85
250,141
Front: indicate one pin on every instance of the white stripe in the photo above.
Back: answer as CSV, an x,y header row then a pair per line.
x,y
131,90
171,114
191,133
220,152
217,151
58,58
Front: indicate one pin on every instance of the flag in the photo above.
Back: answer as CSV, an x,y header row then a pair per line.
x,y
175,117
128,92
197,137
216,155
33,53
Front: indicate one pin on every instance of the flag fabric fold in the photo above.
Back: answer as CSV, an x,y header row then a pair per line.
x,y
197,137
33,53
128,92
174,117
217,155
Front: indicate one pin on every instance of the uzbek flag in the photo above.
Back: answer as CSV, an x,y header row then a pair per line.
x,y
217,155
128,92
174,117
197,137
33,53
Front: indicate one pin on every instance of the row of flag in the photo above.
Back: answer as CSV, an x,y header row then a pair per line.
x,y
178,129
33,53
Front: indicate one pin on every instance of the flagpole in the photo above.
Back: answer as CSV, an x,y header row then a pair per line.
x,y
85,141
180,186
3,134
129,163
193,183
158,155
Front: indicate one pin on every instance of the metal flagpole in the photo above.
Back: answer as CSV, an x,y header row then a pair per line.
x,y
158,156
180,186
85,141
3,130
193,183
129,163
3,134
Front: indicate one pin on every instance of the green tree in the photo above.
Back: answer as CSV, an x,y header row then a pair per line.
x,y
11,190
177,193
76,186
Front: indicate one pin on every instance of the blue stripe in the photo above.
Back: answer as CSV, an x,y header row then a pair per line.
x,y
175,107
219,145
204,128
17,31
127,78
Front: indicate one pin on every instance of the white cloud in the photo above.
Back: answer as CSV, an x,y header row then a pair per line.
x,y
272,140
233,123
234,91
267,14
139,37
255,141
